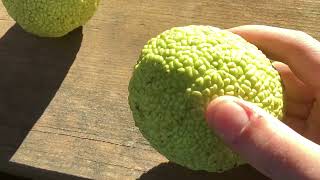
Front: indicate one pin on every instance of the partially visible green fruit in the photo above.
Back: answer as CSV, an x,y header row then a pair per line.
x,y
51,18
179,72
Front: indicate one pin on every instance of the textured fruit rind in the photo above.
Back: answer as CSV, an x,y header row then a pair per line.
x,y
50,18
179,72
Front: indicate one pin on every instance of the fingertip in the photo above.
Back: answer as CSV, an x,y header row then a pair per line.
x,y
255,28
247,29
281,67
226,117
214,104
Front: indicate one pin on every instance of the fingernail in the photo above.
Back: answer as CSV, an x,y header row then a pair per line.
x,y
226,118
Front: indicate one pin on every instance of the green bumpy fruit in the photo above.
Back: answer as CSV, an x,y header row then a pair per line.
x,y
50,18
179,72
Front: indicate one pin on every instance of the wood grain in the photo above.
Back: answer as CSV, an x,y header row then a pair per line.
x,y
64,102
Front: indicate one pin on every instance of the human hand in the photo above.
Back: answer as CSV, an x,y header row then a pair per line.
x,y
280,150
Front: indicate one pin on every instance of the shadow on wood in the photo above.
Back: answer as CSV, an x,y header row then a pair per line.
x,y
11,177
36,173
31,72
172,171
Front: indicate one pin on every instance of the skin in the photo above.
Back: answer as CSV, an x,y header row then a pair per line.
x,y
280,150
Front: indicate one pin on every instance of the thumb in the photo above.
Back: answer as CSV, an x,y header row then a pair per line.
x,y
263,141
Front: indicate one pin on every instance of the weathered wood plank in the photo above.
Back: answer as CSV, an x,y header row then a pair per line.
x,y
63,103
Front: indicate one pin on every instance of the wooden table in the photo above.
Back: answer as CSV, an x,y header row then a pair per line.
x,y
63,102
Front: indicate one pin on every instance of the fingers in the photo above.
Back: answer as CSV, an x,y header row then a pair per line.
x,y
296,49
297,124
265,142
299,98
297,110
295,89
313,123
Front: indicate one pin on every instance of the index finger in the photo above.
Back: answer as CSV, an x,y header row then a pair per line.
x,y
297,49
